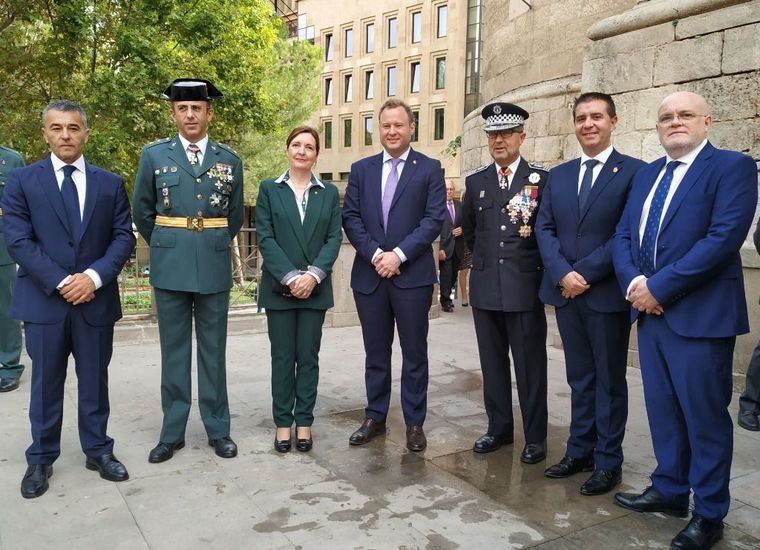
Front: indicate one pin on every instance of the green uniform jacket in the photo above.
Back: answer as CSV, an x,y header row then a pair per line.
x,y
9,159
286,244
167,185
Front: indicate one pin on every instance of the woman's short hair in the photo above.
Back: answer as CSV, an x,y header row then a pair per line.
x,y
297,131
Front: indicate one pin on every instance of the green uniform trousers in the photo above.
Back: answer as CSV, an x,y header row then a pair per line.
x,y
10,330
176,311
295,336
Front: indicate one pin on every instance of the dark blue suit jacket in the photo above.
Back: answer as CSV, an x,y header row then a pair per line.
x,y
40,241
573,240
698,279
414,221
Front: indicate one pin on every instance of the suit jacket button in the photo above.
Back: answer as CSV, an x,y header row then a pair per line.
x,y
197,180
480,208
501,260
578,236
503,227
501,244
199,197
200,212
503,210
158,243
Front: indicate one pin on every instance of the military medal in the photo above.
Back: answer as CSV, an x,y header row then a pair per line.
x,y
174,169
219,185
522,206
215,200
534,177
167,202
525,231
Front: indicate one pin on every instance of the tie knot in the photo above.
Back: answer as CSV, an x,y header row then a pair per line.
x,y
68,170
193,148
591,163
505,171
395,162
672,165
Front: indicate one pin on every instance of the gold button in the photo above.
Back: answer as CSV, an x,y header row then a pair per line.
x,y
503,227
200,212
199,197
197,180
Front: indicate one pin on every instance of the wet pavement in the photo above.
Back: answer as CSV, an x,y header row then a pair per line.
x,y
376,496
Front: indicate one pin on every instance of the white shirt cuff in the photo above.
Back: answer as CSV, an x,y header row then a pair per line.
x,y
632,284
400,254
376,254
65,280
92,274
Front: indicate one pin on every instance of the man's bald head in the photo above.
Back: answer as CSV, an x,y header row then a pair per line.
x,y
683,120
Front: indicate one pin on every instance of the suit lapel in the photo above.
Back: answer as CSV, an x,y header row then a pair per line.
x,y
410,165
288,202
91,196
178,155
570,189
313,210
609,170
209,157
491,184
373,186
53,192
688,181
653,170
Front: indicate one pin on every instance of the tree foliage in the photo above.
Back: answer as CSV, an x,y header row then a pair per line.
x,y
115,57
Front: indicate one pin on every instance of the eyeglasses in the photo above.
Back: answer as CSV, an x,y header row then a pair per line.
x,y
504,133
685,117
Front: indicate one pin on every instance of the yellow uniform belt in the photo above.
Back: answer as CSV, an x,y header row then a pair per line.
x,y
194,224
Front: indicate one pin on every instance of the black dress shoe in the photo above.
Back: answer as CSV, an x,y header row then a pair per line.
x,y
304,445
35,481
448,308
747,420
415,439
699,534
368,430
602,481
650,501
8,384
164,451
281,445
533,453
487,443
109,467
569,466
224,447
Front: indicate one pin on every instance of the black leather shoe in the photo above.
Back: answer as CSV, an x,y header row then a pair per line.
x,y
415,439
569,466
368,430
164,451
699,534
224,447
650,501
109,467
602,481
8,384
304,445
747,420
533,453
35,481
281,445
448,308
487,443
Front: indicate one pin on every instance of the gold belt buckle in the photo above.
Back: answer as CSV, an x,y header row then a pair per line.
x,y
195,224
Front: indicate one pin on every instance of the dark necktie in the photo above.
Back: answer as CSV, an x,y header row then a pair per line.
x,y
585,190
652,228
71,202
504,173
390,189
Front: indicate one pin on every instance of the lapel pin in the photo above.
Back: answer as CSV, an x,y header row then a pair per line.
x,y
414,161
615,170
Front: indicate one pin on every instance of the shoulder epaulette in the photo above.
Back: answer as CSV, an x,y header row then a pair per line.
x,y
228,149
534,166
475,171
161,140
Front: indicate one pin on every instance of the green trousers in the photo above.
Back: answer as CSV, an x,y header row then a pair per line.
x,y
295,336
10,330
176,311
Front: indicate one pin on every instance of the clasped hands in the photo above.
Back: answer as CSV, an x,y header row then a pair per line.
x,y
573,284
387,264
642,299
302,286
80,288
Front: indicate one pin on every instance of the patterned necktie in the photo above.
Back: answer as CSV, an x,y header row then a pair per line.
x,y
652,227
71,202
390,190
585,190
192,153
450,206
504,173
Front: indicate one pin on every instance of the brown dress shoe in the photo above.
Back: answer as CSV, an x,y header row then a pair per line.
x,y
369,429
415,439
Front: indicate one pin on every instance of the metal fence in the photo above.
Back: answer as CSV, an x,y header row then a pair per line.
x,y
135,289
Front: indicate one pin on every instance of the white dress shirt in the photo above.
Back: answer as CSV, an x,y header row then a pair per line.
x,y
79,176
512,169
202,144
384,179
602,157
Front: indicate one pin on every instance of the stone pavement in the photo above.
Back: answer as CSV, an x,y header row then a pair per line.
x,y
377,496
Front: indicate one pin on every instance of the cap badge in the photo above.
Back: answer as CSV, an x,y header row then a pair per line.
x,y
497,109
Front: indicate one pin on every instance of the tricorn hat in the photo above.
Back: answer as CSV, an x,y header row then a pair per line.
x,y
191,89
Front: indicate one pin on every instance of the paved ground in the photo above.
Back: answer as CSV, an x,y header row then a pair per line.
x,y
377,496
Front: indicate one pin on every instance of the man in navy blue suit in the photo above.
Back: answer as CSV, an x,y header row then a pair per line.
x,y
582,203
68,227
676,255
393,211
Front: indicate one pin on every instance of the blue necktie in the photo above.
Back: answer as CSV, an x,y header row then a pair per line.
x,y
585,190
71,202
652,228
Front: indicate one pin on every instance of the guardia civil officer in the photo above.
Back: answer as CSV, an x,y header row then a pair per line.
x,y
498,216
10,329
188,204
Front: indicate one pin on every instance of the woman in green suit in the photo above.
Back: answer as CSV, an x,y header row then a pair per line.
x,y
298,224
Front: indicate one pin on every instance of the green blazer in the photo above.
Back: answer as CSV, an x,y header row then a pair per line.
x,y
9,159
168,185
286,244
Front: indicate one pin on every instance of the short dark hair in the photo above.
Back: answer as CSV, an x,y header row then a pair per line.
x,y
596,96
64,105
298,130
393,103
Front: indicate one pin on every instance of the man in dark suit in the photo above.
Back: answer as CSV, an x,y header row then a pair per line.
x,y
392,213
68,226
450,248
676,255
498,214
749,402
582,203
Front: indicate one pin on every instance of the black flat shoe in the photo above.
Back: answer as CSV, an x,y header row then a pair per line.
x,y
108,466
569,466
8,384
164,451
699,534
650,501
601,481
304,445
488,443
533,453
282,446
747,420
224,447
35,481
